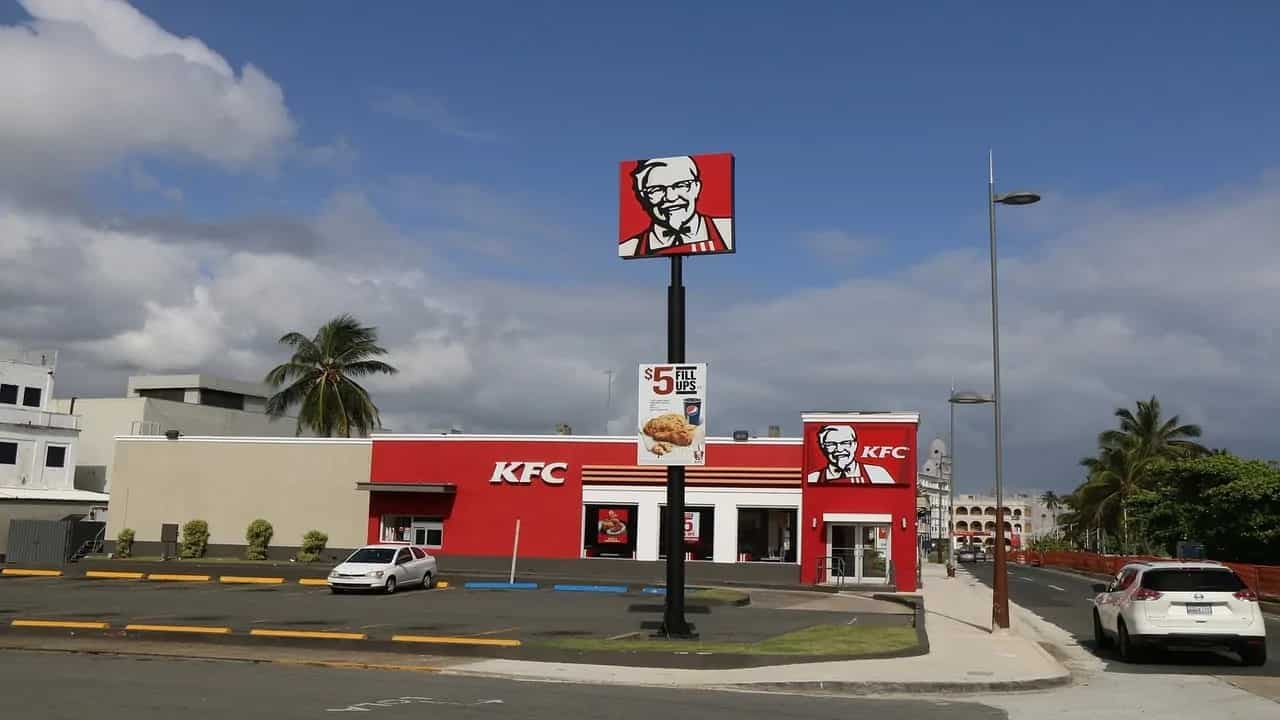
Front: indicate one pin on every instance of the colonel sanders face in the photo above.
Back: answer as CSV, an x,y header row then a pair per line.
x,y
839,444
668,189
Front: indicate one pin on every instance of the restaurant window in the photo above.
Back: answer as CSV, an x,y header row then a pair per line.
x,y
8,453
31,397
9,394
609,530
55,456
425,531
699,533
766,535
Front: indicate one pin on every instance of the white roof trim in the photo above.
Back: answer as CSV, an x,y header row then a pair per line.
x,y
12,493
832,417
259,440
857,518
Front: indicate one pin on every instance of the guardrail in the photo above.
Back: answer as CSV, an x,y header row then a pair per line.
x,y
1262,579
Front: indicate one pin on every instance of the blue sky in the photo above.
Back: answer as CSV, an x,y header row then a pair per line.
x,y
476,145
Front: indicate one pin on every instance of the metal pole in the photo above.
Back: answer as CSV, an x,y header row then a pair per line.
x,y
673,620
1000,583
951,485
515,550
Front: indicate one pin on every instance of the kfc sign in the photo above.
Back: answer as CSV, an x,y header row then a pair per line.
x,y
523,472
857,454
680,205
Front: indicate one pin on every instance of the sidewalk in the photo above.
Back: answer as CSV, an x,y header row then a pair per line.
x,y
964,657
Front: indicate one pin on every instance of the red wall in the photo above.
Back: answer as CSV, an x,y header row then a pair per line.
x,y
841,496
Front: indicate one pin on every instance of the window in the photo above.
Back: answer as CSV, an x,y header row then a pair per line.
x,y
699,532
609,530
8,453
55,456
1193,580
417,553
417,530
1124,580
218,398
171,394
403,556
9,394
31,397
766,535
374,556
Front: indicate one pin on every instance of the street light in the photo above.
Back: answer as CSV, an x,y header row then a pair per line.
x,y
1000,582
963,397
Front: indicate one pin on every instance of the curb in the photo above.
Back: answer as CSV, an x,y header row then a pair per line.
x,y
916,603
902,688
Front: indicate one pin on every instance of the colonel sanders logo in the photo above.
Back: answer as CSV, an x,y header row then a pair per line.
x,y
839,445
669,190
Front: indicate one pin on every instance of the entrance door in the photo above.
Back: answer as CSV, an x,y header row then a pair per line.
x,y
859,553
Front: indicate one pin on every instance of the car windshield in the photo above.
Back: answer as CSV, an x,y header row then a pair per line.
x,y
1192,579
372,555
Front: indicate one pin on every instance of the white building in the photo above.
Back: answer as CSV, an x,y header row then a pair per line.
x,y
934,482
157,404
975,521
38,448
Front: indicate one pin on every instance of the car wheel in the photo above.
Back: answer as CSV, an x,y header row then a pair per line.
x,y
1125,645
390,587
428,580
1099,635
1254,655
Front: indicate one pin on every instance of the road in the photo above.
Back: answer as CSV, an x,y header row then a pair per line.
x,y
55,685
1063,599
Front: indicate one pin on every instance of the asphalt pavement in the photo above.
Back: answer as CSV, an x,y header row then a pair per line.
x,y
1064,599
56,685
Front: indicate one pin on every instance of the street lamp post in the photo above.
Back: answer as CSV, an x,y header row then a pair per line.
x,y
1000,583
959,398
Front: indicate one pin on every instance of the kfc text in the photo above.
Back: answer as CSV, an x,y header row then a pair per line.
x,y
884,451
523,472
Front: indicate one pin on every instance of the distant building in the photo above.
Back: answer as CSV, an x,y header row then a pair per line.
x,y
158,404
934,482
975,521
38,448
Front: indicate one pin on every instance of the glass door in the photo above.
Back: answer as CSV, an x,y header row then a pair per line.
x,y
873,554
842,545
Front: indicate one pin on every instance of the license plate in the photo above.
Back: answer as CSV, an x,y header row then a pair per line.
x,y
1199,609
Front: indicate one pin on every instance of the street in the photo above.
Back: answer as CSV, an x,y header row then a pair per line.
x,y
1063,599
57,685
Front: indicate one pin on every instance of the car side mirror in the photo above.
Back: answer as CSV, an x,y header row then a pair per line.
x,y
1101,588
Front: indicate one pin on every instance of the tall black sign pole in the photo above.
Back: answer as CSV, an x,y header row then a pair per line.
x,y
673,622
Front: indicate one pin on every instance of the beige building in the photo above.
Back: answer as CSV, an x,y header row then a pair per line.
x,y
153,405
296,484
975,520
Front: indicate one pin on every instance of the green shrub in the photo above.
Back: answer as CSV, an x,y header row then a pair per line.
x,y
124,543
258,536
195,539
312,545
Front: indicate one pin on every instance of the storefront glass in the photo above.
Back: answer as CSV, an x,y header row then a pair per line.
x,y
609,531
699,533
425,531
766,535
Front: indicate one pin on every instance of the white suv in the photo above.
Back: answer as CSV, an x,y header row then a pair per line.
x,y
1177,604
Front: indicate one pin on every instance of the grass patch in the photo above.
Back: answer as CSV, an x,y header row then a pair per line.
x,y
724,595
817,640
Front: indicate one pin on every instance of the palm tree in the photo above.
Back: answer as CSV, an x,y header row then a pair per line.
x,y
1153,436
321,376
1052,503
1114,476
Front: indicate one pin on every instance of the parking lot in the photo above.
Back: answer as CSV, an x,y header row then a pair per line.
x,y
526,615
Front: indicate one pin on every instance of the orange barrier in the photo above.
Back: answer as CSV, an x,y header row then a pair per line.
x,y
1262,579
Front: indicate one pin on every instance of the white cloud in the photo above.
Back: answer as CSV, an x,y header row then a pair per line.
x,y
87,82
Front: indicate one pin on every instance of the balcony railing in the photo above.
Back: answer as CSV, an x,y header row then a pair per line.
x,y
17,415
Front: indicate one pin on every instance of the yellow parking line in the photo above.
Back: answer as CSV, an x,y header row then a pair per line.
x,y
111,574
29,572
317,634
178,578
198,629
66,624
250,580
442,584
313,581
448,640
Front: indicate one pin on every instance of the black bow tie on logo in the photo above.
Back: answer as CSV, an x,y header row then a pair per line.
x,y
679,235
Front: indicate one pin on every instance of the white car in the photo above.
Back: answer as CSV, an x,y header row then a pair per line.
x,y
1179,604
385,567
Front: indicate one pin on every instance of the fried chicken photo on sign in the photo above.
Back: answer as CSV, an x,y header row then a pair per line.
x,y
670,427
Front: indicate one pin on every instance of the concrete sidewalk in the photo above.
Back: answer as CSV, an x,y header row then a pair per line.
x,y
964,656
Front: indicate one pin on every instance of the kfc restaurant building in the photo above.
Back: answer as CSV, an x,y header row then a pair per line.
x,y
838,505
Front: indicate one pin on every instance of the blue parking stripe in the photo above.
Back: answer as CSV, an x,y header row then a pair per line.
x,y
591,588
501,586
654,590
